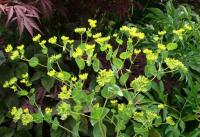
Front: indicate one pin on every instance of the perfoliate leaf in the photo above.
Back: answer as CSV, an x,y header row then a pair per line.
x,y
47,82
118,63
81,63
33,62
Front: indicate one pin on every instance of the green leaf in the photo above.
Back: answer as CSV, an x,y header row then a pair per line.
x,y
37,76
81,63
154,133
75,130
6,132
55,123
182,126
2,58
96,64
32,99
119,41
118,63
98,114
22,68
109,91
124,78
38,117
124,55
172,46
22,93
22,133
99,130
47,82
33,62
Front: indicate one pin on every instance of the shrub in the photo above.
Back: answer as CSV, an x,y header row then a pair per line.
x,y
91,84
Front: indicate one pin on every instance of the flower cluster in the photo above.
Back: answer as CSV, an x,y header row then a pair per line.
x,y
22,114
104,77
141,84
175,64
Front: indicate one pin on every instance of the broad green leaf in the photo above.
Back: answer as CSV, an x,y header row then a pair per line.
x,y
81,63
32,99
98,114
124,78
47,82
33,62
96,64
118,63
110,91
23,133
55,123
172,46
99,130
38,117
22,68
36,76
124,55
6,132
119,41
154,133
75,130
22,93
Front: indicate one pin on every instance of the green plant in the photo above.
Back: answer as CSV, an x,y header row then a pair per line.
x,y
84,93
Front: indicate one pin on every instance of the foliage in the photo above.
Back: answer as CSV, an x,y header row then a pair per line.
x,y
139,81
26,14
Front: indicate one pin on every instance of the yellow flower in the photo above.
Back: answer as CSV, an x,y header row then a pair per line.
x,y
48,110
124,29
133,32
161,47
25,75
138,114
9,48
37,38
65,39
80,30
156,38
97,35
74,79
51,73
115,35
102,40
65,94
104,77
113,101
140,35
83,76
53,40
175,64
161,106
152,56
78,52
161,33
42,43
89,47
188,27
121,107
137,51
170,121
26,110
147,51
92,23
21,47
26,119
71,41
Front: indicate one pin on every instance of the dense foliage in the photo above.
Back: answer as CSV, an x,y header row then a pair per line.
x,y
128,81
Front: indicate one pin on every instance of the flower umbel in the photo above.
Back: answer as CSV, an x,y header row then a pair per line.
x,y
141,84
